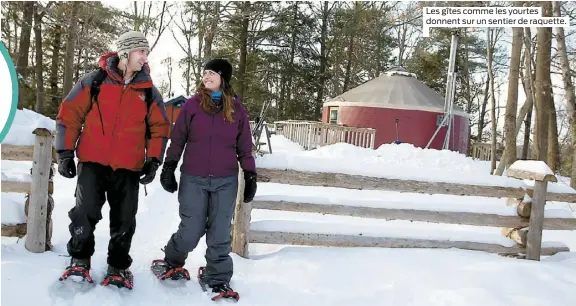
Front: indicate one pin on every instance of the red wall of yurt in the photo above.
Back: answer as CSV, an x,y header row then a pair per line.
x,y
414,126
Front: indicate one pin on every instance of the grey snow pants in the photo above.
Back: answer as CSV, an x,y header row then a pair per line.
x,y
206,207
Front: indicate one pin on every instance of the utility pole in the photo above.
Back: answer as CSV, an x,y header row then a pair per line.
x,y
448,118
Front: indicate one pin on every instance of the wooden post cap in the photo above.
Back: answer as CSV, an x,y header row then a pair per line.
x,y
531,170
42,132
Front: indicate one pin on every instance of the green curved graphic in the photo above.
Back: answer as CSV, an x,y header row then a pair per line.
x,y
14,80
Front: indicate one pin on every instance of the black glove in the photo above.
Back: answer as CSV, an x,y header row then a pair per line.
x,y
250,186
66,165
167,177
149,170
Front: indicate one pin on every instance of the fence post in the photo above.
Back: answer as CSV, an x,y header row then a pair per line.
x,y
241,225
536,224
35,240
309,136
541,177
372,139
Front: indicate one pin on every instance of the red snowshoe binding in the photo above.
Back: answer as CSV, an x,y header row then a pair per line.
x,y
164,270
119,277
78,267
222,291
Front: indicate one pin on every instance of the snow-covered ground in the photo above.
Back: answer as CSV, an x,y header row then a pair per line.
x,y
294,275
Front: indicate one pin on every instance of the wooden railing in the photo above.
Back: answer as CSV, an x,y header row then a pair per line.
x,y
481,151
525,228
39,202
312,135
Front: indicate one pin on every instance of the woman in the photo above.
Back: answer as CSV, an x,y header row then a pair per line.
x,y
214,128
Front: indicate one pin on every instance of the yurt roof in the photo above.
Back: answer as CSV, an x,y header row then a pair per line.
x,y
397,89
175,100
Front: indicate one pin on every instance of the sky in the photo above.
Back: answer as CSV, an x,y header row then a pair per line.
x,y
168,47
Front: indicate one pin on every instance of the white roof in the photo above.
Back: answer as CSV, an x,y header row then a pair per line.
x,y
396,89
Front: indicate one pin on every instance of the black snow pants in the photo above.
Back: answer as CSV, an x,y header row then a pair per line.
x,y
206,207
95,183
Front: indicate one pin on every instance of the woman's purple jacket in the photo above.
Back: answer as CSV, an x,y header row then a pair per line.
x,y
213,145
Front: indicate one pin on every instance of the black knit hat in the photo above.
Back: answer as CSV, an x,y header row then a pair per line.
x,y
220,66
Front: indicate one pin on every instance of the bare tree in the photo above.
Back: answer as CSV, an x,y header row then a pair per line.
x,y
72,34
145,22
542,85
24,49
186,29
569,95
509,155
490,58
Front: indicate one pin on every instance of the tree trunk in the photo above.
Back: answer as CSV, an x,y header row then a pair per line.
x,y
527,79
6,30
489,56
569,95
323,61
78,57
23,51
290,73
15,22
243,49
553,146
211,33
39,107
282,103
527,126
53,79
543,97
530,92
509,155
350,53
70,48
466,83
483,111
528,104
201,24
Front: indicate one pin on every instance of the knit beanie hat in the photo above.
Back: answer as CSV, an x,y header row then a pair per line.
x,y
131,41
220,66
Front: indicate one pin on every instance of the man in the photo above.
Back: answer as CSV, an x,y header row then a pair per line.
x,y
119,136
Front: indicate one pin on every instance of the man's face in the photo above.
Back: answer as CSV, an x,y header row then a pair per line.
x,y
137,59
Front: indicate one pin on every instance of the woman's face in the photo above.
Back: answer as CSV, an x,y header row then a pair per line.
x,y
211,80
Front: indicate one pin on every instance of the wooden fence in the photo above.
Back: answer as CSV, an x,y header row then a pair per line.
x,y
312,135
480,150
525,228
39,203
483,150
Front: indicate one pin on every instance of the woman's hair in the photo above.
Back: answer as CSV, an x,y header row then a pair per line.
x,y
227,100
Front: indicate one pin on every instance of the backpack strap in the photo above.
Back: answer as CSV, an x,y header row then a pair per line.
x,y
149,98
95,91
95,86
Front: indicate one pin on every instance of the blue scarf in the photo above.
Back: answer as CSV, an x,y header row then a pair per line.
x,y
216,96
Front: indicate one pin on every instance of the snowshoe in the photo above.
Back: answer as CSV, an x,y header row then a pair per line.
x,y
118,277
78,267
220,291
164,270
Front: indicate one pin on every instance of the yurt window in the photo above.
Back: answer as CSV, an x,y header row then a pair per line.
x,y
439,119
333,115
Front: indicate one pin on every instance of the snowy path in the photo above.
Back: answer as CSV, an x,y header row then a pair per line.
x,y
289,275
277,275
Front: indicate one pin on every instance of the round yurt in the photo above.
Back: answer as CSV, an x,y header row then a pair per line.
x,y
401,108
